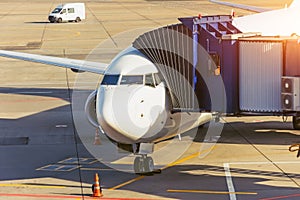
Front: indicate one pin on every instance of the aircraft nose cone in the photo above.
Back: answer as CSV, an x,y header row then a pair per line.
x,y
125,113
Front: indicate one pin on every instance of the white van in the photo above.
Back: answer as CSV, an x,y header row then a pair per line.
x,y
68,12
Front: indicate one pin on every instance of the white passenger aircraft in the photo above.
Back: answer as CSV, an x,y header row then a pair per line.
x,y
142,116
281,22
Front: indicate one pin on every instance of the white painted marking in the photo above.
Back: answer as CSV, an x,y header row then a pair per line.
x,y
229,182
81,161
179,137
63,168
32,92
254,163
101,169
61,126
212,139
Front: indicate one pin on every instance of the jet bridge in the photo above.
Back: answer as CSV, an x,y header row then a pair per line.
x,y
169,48
212,36
189,55
208,64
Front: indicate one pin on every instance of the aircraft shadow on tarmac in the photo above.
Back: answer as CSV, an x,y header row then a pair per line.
x,y
265,132
27,158
262,132
200,177
251,184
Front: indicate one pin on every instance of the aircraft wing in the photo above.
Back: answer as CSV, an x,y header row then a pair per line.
x,y
241,6
82,65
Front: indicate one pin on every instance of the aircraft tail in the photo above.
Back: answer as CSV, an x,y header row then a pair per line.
x,y
295,4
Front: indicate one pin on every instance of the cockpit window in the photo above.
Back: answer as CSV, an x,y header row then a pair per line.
x,y
56,10
127,80
110,79
149,81
157,79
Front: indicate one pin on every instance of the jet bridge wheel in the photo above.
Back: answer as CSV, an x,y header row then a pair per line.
x,y
296,122
143,164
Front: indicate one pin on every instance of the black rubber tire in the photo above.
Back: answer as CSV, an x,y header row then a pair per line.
x,y
137,166
149,164
59,20
77,19
296,122
143,165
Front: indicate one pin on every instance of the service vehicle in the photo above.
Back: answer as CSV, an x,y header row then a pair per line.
x,y
68,12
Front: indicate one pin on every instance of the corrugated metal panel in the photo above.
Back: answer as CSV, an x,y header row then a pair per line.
x,y
292,66
260,71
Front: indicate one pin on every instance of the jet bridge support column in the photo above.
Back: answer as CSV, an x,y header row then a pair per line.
x,y
195,56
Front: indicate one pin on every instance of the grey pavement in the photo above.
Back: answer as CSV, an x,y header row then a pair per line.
x,y
39,144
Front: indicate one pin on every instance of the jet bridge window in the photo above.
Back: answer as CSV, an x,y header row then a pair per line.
x,y
110,79
216,59
132,79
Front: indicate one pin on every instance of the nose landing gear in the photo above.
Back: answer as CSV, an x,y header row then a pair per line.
x,y
143,164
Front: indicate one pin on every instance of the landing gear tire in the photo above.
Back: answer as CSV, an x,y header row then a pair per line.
x,y
149,164
143,165
296,122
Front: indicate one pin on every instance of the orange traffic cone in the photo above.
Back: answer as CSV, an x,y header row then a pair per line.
x,y
97,191
97,138
232,13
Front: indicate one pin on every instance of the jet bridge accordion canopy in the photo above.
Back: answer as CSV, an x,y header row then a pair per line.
x,y
249,66
188,56
170,49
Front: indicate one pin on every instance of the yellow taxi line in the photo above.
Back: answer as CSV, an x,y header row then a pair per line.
x,y
127,182
167,166
30,185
